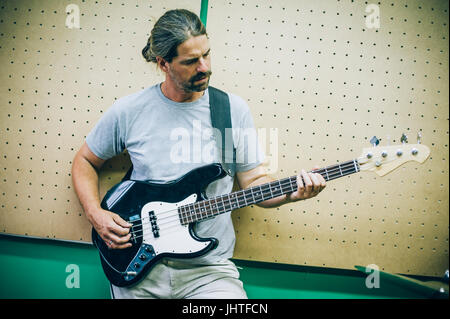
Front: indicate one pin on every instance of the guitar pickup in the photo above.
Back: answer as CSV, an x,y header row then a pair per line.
x,y
136,229
153,223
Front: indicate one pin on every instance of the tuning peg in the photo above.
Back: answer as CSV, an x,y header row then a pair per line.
x,y
404,138
374,141
419,137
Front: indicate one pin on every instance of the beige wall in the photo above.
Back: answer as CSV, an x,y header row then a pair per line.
x,y
328,83
312,70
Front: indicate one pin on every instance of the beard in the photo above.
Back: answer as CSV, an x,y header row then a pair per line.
x,y
190,85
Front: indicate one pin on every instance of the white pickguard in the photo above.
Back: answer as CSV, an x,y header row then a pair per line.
x,y
173,236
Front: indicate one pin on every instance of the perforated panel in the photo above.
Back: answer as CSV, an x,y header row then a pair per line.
x,y
311,69
315,71
56,82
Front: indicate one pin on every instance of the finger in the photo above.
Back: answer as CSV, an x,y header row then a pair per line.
x,y
117,228
120,221
315,182
307,181
116,242
112,238
123,239
300,187
322,181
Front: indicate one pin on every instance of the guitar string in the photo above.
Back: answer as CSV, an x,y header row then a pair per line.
x,y
271,189
331,172
175,217
177,224
286,182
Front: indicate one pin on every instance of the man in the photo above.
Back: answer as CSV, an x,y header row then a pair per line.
x,y
144,123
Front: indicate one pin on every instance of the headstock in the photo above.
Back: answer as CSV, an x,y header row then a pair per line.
x,y
384,159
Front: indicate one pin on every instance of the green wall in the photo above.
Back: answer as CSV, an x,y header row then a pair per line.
x,y
36,268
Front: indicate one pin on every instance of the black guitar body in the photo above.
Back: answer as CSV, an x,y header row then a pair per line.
x,y
152,208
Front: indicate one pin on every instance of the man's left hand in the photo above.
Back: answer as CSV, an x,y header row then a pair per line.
x,y
308,186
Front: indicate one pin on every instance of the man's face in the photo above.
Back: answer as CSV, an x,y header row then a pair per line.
x,y
191,69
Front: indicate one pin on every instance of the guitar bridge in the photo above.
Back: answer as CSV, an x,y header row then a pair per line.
x,y
155,228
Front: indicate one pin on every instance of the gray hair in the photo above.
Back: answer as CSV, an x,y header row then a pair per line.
x,y
172,29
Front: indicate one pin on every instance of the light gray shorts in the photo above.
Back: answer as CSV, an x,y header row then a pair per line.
x,y
180,280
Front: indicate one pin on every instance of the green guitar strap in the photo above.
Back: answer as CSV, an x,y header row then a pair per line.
x,y
221,120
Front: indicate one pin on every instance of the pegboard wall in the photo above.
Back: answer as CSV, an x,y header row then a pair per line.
x,y
329,81
57,80
326,79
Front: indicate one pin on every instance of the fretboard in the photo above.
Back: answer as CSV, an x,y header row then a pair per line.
x,y
225,203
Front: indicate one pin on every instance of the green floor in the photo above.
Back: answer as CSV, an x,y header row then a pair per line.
x,y
36,268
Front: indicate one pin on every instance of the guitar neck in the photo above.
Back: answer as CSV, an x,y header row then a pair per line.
x,y
225,203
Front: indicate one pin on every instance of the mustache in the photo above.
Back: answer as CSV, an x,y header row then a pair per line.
x,y
201,75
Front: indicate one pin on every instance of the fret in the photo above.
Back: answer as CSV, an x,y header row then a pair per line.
x,y
185,218
292,183
273,190
281,188
245,199
193,212
188,214
216,204
203,210
356,167
256,193
230,199
180,214
228,202
197,211
270,189
212,206
236,200
219,205
223,203
253,196
195,207
211,209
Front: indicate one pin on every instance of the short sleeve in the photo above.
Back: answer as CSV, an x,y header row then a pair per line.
x,y
106,139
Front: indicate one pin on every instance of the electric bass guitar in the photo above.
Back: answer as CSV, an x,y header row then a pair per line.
x,y
163,215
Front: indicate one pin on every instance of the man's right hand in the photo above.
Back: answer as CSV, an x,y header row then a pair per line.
x,y
114,231
110,226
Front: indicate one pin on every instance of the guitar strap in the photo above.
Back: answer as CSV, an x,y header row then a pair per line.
x,y
221,121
